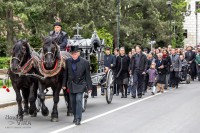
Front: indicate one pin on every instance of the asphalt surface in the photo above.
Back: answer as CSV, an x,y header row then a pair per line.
x,y
175,111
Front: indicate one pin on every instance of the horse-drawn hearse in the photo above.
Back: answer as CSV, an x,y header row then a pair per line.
x,y
33,73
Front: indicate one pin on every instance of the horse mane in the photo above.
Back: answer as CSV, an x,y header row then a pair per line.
x,y
51,40
20,43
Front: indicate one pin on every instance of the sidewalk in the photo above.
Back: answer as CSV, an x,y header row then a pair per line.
x,y
7,98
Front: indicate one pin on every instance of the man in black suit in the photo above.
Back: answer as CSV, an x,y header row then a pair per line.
x,y
77,78
59,35
138,70
116,88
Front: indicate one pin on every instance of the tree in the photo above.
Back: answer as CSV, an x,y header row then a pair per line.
x,y
140,20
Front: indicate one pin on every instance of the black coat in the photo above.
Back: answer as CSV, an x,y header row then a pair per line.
x,y
143,63
169,62
149,62
61,40
108,60
122,68
161,70
190,56
82,77
114,68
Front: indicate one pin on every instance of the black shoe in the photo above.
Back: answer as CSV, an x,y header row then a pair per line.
x,y
125,96
133,97
74,121
117,94
78,122
122,96
152,93
102,93
140,96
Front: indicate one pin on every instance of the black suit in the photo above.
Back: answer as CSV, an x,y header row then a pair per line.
x,y
82,77
61,39
138,77
143,63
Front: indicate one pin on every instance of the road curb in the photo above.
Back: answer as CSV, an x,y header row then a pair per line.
x,y
3,105
7,104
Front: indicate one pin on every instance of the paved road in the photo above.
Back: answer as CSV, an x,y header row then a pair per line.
x,y
175,111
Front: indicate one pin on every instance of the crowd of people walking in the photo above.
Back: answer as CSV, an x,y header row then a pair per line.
x,y
156,70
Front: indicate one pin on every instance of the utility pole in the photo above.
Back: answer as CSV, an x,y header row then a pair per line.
x,y
169,3
118,22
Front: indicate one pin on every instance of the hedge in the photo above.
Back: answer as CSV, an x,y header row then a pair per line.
x,y
4,62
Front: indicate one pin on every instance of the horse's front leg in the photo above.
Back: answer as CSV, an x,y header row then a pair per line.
x,y
54,114
32,99
44,109
25,94
19,102
68,103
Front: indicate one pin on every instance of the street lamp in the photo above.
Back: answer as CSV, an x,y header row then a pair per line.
x,y
152,42
169,4
118,22
174,27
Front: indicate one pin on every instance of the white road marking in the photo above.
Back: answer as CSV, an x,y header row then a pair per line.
x,y
106,113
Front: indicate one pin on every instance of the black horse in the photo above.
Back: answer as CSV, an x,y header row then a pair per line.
x,y
51,67
21,64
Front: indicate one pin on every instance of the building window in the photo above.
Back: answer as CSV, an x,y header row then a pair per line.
x,y
185,34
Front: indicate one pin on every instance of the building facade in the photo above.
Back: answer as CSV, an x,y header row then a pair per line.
x,y
192,24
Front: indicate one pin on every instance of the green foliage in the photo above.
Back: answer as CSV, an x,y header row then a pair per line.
x,y
35,41
139,19
8,83
4,62
108,38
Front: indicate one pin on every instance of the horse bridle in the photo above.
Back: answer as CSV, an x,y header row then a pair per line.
x,y
20,61
54,54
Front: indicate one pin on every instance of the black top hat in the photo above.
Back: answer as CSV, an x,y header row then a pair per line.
x,y
75,49
57,24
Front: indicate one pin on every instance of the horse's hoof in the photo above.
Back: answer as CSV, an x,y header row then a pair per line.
x,y
31,112
45,112
26,113
20,117
38,110
34,115
53,119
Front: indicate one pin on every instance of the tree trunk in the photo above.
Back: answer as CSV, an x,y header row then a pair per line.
x,y
10,30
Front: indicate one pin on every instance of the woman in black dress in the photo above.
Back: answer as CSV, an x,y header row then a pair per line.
x,y
122,68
